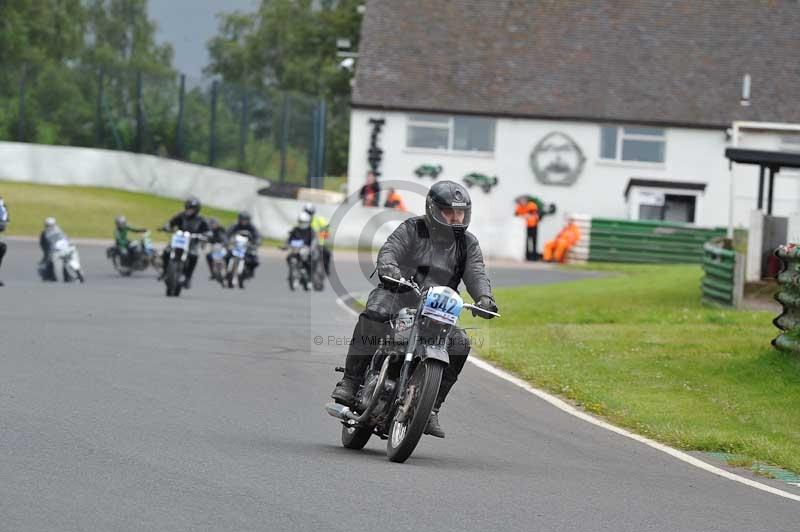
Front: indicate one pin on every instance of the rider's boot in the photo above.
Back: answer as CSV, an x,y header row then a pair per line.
x,y
433,428
345,391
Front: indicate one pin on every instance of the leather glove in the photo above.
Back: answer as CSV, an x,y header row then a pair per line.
x,y
486,303
390,270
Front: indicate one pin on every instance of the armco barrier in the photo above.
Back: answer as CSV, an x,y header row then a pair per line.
x,y
723,274
648,241
789,298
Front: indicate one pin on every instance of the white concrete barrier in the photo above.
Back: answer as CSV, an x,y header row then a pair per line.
x,y
356,226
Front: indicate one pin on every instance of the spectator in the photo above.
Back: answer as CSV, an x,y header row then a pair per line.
x,y
371,192
528,209
556,249
395,201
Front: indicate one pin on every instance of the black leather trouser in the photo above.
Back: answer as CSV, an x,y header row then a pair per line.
x,y
372,327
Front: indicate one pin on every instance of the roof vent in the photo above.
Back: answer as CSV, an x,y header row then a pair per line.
x,y
745,102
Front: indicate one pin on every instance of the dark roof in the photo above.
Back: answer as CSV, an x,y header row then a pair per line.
x,y
661,183
648,61
765,158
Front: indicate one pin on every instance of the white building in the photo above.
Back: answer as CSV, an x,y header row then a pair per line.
x,y
619,110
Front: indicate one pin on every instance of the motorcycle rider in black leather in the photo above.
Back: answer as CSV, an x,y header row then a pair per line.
x,y
432,250
187,220
245,225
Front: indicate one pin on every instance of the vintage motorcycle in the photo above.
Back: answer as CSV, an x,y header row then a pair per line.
x,y
237,265
178,250
141,254
402,380
219,266
65,255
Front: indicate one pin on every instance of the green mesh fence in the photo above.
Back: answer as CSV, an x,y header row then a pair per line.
x,y
789,298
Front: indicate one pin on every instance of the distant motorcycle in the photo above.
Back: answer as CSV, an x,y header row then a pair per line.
x,y
403,378
299,271
219,254
237,265
66,256
178,250
141,254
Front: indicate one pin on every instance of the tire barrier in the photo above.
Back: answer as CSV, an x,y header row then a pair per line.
x,y
789,298
723,274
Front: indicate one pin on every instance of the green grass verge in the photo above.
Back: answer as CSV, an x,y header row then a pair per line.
x,y
89,212
639,349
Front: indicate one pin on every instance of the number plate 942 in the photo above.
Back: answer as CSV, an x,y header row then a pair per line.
x,y
443,304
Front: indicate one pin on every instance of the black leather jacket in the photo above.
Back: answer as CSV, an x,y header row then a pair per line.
x,y
429,261
249,229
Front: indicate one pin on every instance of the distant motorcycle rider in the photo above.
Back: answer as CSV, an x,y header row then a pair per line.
x,y
187,220
4,219
434,249
244,224
302,231
321,227
121,230
51,234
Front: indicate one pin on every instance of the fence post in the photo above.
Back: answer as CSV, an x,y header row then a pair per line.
x,y
98,117
139,114
284,134
179,122
321,125
212,134
312,149
21,117
789,298
243,132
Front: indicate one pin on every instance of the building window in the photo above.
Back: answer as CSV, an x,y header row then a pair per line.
x,y
631,143
455,133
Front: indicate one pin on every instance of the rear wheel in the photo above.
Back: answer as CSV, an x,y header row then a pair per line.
x,y
412,415
355,437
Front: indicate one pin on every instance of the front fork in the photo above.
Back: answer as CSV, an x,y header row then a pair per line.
x,y
405,371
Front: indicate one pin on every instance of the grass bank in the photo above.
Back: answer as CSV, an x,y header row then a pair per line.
x,y
89,212
639,349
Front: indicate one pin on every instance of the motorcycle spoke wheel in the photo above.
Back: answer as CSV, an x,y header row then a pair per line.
x,y
406,428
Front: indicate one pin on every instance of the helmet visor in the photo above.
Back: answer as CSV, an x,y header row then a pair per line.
x,y
451,216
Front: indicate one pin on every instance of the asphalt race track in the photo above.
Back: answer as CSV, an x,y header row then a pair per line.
x,y
121,409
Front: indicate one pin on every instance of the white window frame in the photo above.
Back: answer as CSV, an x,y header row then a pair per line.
x,y
621,136
450,125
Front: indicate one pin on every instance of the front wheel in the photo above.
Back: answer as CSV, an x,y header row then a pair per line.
x,y
172,278
412,415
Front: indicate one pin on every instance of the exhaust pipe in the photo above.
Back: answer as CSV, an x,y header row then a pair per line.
x,y
339,411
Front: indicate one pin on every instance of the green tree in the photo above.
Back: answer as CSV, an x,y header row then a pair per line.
x,y
290,45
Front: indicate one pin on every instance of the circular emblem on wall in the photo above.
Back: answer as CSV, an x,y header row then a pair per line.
x,y
557,160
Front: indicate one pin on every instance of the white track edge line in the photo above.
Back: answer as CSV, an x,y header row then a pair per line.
x,y
569,409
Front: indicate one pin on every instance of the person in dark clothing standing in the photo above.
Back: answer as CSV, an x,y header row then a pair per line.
x,y
370,193
187,220
4,219
434,249
528,209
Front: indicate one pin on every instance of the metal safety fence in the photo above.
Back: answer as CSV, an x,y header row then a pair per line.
x,y
648,241
264,132
789,298
723,274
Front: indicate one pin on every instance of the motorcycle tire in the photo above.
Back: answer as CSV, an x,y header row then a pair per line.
x,y
172,280
122,270
404,437
355,437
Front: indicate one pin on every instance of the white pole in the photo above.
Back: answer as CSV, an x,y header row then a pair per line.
x,y
732,188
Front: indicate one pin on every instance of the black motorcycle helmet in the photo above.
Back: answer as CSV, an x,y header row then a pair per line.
x,y
447,195
192,204
243,217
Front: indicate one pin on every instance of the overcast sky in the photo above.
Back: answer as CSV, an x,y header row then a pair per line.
x,y
189,24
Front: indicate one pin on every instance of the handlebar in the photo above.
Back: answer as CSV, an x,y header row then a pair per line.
x,y
478,310
404,282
